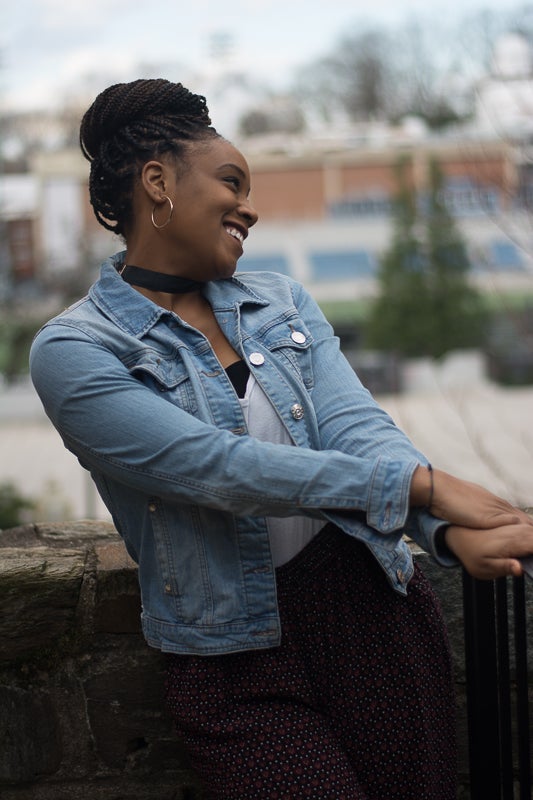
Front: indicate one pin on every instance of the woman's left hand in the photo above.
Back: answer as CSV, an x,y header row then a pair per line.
x,y
491,552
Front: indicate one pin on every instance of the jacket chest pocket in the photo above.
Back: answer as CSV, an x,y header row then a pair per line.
x,y
290,341
166,376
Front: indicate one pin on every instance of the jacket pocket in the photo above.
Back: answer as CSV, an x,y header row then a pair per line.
x,y
290,341
167,376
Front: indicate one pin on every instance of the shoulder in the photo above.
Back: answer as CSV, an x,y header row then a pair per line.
x,y
75,317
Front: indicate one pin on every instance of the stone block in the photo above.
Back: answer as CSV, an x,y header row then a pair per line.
x,y
447,585
74,534
30,742
117,604
39,591
128,725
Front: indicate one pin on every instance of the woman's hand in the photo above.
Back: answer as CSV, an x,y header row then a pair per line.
x,y
491,553
463,503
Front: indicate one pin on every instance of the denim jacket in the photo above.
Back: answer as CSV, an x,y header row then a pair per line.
x,y
140,398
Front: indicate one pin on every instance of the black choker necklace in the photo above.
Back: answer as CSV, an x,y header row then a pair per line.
x,y
158,281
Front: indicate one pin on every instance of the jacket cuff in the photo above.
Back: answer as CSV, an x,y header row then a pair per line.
x,y
388,499
428,532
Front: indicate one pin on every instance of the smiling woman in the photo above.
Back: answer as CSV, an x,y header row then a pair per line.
x,y
262,491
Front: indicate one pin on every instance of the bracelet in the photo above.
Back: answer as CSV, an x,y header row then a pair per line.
x,y
431,487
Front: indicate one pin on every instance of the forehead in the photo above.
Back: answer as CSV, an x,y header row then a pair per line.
x,y
215,153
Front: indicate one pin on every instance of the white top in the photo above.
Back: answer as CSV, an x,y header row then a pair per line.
x,y
288,535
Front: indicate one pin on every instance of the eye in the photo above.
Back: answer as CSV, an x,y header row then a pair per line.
x,y
233,180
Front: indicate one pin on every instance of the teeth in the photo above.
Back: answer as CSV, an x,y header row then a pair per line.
x,y
237,234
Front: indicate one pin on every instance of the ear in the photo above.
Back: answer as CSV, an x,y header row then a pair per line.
x,y
154,179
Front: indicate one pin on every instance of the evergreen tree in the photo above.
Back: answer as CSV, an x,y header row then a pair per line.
x,y
426,305
455,306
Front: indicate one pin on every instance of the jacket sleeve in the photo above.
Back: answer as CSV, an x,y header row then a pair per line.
x,y
351,421
118,426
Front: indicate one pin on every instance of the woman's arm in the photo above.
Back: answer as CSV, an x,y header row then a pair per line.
x,y
350,420
118,426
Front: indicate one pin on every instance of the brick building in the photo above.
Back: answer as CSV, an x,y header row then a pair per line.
x,y
324,211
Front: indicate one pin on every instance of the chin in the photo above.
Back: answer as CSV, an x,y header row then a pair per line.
x,y
227,272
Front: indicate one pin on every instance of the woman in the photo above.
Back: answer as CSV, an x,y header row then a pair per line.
x,y
259,487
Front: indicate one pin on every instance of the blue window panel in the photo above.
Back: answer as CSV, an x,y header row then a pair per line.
x,y
342,264
276,262
506,256
369,206
464,197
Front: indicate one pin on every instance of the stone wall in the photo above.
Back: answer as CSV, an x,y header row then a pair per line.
x,y
80,691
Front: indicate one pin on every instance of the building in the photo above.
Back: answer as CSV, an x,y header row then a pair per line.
x,y
324,200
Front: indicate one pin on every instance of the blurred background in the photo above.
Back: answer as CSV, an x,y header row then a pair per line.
x,y
391,151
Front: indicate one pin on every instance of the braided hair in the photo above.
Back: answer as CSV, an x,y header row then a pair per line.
x,y
127,125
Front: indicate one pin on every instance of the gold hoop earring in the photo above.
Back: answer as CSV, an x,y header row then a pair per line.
x,y
171,204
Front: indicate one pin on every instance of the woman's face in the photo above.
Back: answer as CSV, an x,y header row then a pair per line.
x,y
212,214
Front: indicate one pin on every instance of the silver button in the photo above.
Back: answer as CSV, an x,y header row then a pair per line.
x,y
257,359
298,337
297,411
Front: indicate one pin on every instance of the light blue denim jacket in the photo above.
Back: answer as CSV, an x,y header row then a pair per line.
x,y
143,402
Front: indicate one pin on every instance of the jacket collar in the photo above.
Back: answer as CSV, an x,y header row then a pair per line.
x,y
136,314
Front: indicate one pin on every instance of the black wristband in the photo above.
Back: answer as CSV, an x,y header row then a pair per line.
x,y
431,487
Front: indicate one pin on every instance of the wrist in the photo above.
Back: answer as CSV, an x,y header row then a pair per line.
x,y
441,543
451,536
421,490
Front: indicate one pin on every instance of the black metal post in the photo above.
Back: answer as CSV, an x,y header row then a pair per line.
x,y
504,691
522,694
482,688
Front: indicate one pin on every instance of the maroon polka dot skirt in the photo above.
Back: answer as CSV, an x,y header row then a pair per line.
x,y
357,703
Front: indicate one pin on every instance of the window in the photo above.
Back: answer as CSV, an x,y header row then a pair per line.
x,y
275,262
342,264
505,256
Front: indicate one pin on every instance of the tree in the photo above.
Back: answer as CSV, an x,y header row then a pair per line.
x,y
385,74
280,115
426,306
455,306
357,76
394,323
12,506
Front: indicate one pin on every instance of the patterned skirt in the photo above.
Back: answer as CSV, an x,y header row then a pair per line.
x,y
356,703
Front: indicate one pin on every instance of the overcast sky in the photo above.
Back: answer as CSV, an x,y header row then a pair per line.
x,y
47,46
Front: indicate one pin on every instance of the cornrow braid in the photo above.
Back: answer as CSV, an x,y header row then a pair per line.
x,y
126,126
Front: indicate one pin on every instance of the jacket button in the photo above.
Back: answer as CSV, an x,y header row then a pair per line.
x,y
400,575
298,337
152,507
297,411
257,359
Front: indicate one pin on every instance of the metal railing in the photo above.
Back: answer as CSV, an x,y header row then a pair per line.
x,y
497,689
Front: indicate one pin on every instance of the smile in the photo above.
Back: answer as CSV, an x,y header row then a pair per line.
x,y
236,234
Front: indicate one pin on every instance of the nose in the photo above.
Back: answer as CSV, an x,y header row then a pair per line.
x,y
248,213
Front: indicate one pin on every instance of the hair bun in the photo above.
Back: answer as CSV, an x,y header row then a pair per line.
x,y
124,104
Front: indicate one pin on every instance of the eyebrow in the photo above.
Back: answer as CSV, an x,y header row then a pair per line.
x,y
234,166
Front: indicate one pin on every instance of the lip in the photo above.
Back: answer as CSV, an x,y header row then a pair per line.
x,y
238,226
